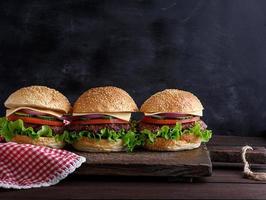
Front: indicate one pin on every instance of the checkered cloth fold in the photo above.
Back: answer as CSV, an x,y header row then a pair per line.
x,y
25,166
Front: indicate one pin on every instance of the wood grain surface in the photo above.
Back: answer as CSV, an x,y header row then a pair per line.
x,y
226,182
227,151
193,163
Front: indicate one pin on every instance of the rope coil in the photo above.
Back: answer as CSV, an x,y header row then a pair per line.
x,y
258,176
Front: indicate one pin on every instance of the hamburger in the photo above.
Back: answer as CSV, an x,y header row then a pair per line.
x,y
35,115
101,121
172,121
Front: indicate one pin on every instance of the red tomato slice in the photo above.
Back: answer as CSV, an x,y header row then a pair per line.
x,y
151,120
32,120
100,121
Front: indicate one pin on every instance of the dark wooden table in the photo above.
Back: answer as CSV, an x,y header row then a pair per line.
x,y
225,183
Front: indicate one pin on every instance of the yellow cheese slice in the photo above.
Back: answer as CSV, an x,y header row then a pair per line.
x,y
123,116
49,112
198,113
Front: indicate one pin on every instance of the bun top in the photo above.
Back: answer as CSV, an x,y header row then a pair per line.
x,y
38,97
173,100
104,99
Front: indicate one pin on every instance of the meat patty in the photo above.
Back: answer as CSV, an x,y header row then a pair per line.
x,y
36,127
156,127
95,128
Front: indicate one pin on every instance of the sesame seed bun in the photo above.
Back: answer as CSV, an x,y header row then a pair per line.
x,y
103,145
173,100
38,97
41,141
161,144
104,99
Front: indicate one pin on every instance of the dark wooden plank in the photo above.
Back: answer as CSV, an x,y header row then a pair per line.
x,y
228,176
227,149
226,165
232,154
193,163
222,185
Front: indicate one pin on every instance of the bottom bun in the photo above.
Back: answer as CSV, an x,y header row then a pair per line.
x,y
41,141
94,145
161,144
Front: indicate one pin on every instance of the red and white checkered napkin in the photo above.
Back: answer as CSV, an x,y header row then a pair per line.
x,y
26,166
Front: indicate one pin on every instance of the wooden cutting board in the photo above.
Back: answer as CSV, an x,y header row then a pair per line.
x,y
190,164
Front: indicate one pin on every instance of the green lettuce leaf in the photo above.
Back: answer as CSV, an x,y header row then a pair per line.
x,y
176,132
204,135
67,137
8,129
3,121
130,138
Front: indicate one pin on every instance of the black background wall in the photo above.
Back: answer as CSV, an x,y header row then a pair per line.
x,y
215,49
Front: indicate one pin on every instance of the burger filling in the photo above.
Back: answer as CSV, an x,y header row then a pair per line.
x,y
103,127
173,126
32,124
